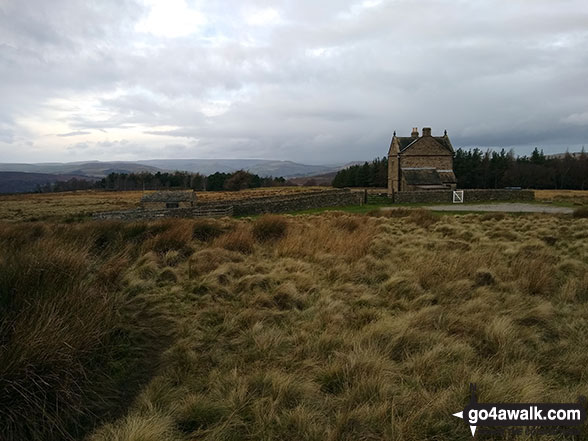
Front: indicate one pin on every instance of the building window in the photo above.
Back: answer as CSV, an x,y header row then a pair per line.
x,y
172,205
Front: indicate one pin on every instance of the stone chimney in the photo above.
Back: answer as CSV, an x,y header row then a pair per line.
x,y
415,132
426,131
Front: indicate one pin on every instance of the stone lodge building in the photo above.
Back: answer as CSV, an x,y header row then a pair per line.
x,y
417,163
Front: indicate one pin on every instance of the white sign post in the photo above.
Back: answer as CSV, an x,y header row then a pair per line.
x,y
458,197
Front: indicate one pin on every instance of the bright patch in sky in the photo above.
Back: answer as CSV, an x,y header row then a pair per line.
x,y
171,19
215,108
263,17
323,52
357,8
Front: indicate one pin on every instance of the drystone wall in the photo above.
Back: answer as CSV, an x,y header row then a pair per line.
x,y
246,207
141,214
294,202
474,195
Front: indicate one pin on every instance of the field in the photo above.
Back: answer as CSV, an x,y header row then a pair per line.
x,y
333,326
60,206
574,197
76,205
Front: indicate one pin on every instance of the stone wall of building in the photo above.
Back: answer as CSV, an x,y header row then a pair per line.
x,y
437,162
446,196
427,153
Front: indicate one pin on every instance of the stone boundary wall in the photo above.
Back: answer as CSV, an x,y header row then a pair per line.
x,y
378,198
474,195
245,207
292,202
140,214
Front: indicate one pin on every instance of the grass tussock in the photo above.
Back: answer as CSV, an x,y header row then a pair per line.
x,y
270,227
239,239
581,212
205,230
70,353
319,327
419,216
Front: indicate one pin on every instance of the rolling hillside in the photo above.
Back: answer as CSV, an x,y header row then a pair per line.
x,y
21,182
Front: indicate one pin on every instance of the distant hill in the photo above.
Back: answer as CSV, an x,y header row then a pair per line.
x,y
92,168
20,182
20,177
323,179
261,167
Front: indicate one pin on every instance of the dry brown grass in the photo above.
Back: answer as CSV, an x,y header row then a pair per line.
x,y
70,352
239,239
270,227
581,212
579,197
344,327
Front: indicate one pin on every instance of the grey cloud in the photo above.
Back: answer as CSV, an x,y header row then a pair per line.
x,y
329,83
76,133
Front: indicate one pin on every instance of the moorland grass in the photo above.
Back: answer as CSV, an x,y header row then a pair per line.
x,y
331,327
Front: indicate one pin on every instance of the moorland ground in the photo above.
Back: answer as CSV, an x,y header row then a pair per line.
x,y
76,204
333,326
81,204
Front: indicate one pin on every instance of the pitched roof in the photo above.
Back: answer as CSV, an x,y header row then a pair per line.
x,y
169,196
445,142
406,141
447,176
421,176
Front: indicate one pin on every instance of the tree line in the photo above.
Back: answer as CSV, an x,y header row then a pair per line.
x,y
238,180
368,174
475,168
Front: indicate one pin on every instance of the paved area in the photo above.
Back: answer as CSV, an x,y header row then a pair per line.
x,y
503,207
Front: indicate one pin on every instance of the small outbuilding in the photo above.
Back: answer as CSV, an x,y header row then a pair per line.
x,y
168,200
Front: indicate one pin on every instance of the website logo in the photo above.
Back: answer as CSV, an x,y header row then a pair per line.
x,y
494,418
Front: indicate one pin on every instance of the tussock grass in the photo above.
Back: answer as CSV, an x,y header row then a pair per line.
x,y
319,327
240,239
206,230
581,212
71,351
270,227
577,197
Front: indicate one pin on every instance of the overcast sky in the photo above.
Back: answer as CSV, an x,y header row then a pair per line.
x,y
311,81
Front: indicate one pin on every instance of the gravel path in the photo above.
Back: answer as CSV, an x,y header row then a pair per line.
x,y
504,207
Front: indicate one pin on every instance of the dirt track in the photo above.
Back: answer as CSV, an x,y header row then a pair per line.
x,y
503,207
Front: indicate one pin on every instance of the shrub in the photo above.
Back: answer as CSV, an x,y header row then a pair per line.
x,y
269,227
